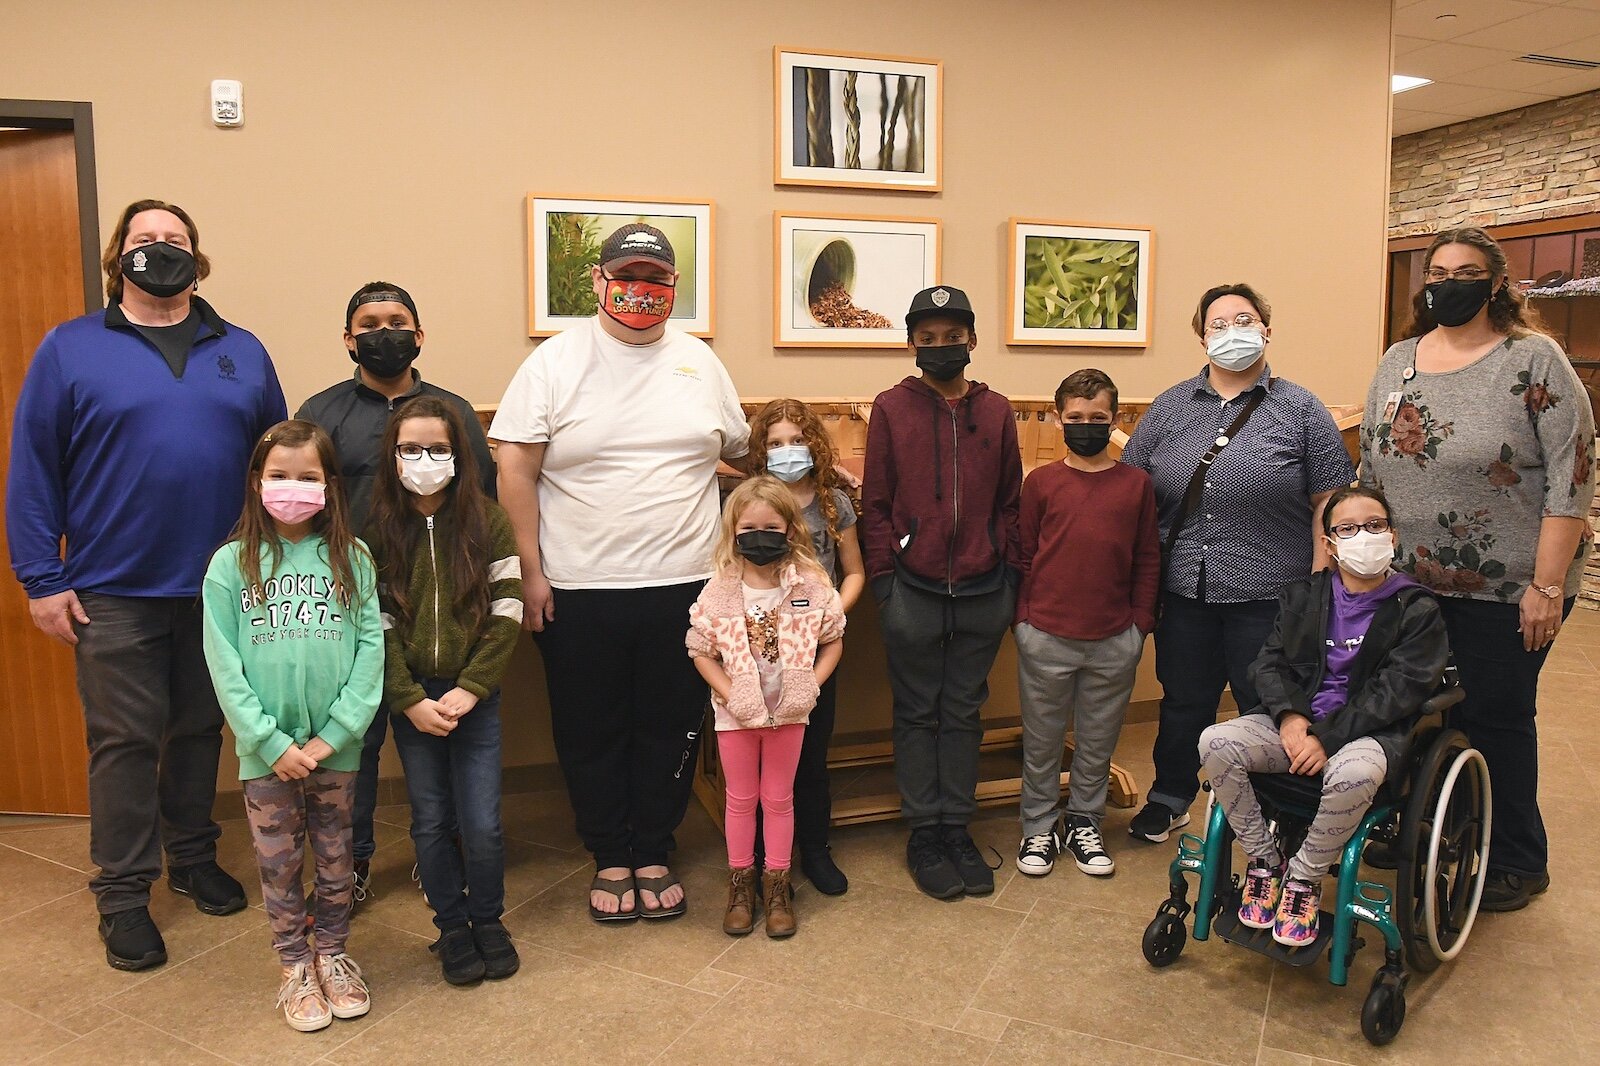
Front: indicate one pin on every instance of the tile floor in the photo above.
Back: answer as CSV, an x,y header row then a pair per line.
x,y
1044,971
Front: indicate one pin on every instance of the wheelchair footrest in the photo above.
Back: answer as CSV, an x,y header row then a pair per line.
x,y
1260,941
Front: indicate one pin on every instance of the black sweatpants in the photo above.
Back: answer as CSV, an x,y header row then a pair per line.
x,y
626,709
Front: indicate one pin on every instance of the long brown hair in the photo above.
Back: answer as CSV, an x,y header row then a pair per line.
x,y
396,534
256,529
111,258
1509,312
764,488
824,456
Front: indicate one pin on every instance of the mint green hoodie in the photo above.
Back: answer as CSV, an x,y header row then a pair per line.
x,y
290,663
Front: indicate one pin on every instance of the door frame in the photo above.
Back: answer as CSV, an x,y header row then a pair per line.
x,y
77,116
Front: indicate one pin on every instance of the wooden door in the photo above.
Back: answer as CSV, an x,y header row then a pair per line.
x,y
44,762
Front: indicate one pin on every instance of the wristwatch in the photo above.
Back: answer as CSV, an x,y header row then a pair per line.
x,y
1549,592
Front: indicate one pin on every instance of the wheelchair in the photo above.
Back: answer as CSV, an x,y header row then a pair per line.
x,y
1434,817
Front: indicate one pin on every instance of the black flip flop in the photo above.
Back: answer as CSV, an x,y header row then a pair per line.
x,y
616,888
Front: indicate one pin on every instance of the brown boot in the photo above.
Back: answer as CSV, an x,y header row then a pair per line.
x,y
740,916
779,904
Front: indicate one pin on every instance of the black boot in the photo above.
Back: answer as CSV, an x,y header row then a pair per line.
x,y
132,940
826,877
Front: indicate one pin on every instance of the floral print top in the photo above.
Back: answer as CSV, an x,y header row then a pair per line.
x,y
1474,459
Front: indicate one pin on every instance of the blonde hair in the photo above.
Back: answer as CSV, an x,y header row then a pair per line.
x,y
766,489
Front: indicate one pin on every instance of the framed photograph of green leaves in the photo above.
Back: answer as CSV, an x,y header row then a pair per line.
x,y
564,239
1079,284
858,120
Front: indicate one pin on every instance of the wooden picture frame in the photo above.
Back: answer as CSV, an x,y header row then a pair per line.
x,y
830,261
566,268
824,133
1078,284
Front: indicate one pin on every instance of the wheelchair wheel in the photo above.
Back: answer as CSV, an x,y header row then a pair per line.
x,y
1163,940
1443,851
1384,1012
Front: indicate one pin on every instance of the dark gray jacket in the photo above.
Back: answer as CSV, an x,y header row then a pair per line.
x,y
355,417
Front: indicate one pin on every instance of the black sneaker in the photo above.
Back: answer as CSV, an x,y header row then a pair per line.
x,y
499,954
213,891
363,888
132,940
1506,891
1155,821
458,955
823,873
1036,856
935,874
977,877
1082,841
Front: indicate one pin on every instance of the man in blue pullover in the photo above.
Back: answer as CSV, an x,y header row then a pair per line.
x,y
132,435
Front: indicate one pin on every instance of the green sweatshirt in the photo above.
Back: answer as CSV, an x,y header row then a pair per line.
x,y
436,644
288,661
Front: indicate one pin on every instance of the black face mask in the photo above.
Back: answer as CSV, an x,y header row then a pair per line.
x,y
762,546
943,362
1087,438
160,269
386,353
1453,303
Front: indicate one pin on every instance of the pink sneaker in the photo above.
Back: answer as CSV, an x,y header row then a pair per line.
x,y
1259,903
1296,922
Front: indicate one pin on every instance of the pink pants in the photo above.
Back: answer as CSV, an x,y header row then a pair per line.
x,y
760,763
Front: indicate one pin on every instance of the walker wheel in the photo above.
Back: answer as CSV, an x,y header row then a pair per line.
x,y
1163,940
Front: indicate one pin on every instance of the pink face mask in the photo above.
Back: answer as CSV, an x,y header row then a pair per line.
x,y
292,502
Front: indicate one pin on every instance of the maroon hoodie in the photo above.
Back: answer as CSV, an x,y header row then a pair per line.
x,y
942,489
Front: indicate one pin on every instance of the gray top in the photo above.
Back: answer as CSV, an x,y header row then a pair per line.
x,y
826,547
1472,460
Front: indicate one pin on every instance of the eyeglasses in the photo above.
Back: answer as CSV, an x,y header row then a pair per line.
x,y
1244,320
1346,530
1461,274
413,452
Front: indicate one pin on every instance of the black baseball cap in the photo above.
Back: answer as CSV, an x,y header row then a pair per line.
x,y
940,300
634,243
376,292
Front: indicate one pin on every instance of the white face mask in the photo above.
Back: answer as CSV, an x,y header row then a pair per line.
x,y
1366,554
426,475
1237,347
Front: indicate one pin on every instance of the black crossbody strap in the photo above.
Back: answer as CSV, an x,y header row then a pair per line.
x,y
1197,483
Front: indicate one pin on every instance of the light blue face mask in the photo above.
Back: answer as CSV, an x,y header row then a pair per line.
x,y
789,463
1237,347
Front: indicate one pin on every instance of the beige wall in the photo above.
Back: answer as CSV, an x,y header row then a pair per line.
x,y
399,141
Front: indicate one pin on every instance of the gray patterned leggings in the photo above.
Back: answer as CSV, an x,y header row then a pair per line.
x,y
282,815
1230,751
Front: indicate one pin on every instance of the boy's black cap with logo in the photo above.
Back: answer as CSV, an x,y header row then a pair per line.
x,y
944,300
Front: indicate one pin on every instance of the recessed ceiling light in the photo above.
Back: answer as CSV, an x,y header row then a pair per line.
x,y
1399,83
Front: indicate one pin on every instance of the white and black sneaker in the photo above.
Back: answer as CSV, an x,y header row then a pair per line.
x,y
1037,855
1082,841
1155,820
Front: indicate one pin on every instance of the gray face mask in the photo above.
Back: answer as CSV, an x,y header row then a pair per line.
x,y
1237,347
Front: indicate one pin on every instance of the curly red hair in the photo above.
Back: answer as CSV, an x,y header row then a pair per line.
x,y
824,456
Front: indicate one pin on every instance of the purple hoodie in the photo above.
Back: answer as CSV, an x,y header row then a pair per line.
x,y
1348,619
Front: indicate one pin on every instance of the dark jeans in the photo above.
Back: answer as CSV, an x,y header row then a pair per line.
x,y
155,732
1200,647
362,844
940,649
813,802
454,785
626,710
1501,682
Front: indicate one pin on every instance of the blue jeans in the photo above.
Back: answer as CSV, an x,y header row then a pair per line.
x,y
362,844
454,783
1200,647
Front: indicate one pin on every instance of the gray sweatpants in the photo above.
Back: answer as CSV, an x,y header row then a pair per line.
x,y
1230,751
1081,683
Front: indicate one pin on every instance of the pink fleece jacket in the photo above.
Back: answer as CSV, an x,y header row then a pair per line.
x,y
810,616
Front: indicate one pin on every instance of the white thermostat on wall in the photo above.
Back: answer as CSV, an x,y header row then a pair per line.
x,y
227,102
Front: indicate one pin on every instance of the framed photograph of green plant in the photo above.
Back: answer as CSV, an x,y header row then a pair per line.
x,y
858,121
1079,284
564,239
845,281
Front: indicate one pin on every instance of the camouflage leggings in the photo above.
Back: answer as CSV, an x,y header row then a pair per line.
x,y
1230,751
281,813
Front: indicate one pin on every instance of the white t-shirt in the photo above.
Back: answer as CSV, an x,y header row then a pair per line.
x,y
628,491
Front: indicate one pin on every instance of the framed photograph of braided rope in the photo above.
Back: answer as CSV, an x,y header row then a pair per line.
x,y
858,121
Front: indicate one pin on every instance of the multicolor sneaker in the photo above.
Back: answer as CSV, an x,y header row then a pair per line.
x,y
1258,904
1296,924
